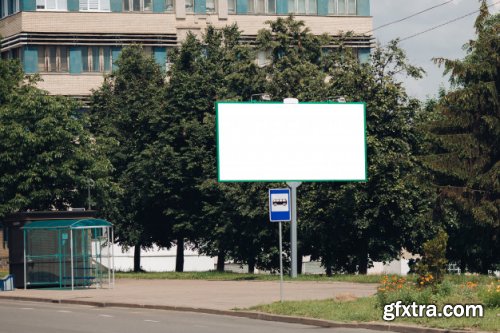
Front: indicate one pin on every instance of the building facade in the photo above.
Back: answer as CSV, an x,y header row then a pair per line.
x,y
71,43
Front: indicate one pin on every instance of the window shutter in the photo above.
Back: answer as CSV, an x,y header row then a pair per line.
x,y
363,7
322,7
30,59
241,6
160,55
200,6
75,60
281,6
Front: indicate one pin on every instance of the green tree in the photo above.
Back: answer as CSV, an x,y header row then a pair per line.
x,y
217,67
11,75
187,104
389,212
47,155
127,114
463,134
349,225
295,69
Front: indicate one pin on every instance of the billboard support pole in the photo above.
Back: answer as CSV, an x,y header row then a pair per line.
x,y
293,227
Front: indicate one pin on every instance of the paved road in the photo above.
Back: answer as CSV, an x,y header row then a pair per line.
x,y
26,317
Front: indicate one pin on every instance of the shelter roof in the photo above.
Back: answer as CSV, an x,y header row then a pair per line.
x,y
67,224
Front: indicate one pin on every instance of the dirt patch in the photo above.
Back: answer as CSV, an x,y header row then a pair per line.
x,y
345,297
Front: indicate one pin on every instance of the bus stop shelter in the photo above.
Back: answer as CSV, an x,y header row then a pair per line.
x,y
68,253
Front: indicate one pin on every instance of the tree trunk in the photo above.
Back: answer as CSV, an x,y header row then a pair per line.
x,y
463,266
179,258
299,263
328,270
221,257
485,265
137,258
363,261
251,265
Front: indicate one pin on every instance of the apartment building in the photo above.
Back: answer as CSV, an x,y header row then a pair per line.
x,y
71,43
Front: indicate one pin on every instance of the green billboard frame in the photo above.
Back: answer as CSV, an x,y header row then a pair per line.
x,y
291,180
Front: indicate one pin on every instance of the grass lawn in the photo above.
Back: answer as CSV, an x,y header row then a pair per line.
x,y
466,289
365,310
229,276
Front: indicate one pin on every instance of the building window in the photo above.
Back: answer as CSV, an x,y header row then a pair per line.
x,y
137,5
189,6
12,54
168,59
303,7
342,7
169,5
263,58
96,59
51,5
262,6
148,51
95,5
210,4
9,7
231,6
53,59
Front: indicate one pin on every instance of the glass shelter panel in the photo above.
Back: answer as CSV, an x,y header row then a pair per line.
x,y
68,257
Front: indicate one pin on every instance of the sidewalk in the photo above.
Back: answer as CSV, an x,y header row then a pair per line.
x,y
216,295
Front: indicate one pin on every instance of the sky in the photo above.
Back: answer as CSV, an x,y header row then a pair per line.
x,y
446,42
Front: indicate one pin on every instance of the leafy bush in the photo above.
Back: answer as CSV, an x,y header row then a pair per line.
x,y
394,288
490,296
432,267
475,290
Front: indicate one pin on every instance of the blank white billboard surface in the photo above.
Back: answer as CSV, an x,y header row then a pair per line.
x,y
291,142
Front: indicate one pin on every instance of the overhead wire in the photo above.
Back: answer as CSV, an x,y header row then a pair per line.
x,y
408,17
445,23
440,25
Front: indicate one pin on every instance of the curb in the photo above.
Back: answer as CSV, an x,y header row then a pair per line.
x,y
248,314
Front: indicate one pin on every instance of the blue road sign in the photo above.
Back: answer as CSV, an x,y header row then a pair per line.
x,y
279,205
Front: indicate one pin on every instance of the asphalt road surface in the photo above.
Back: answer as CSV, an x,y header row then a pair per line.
x,y
28,317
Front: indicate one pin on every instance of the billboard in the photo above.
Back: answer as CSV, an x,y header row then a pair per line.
x,y
275,142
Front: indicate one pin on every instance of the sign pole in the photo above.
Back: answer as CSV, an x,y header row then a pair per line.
x,y
279,211
281,265
293,227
